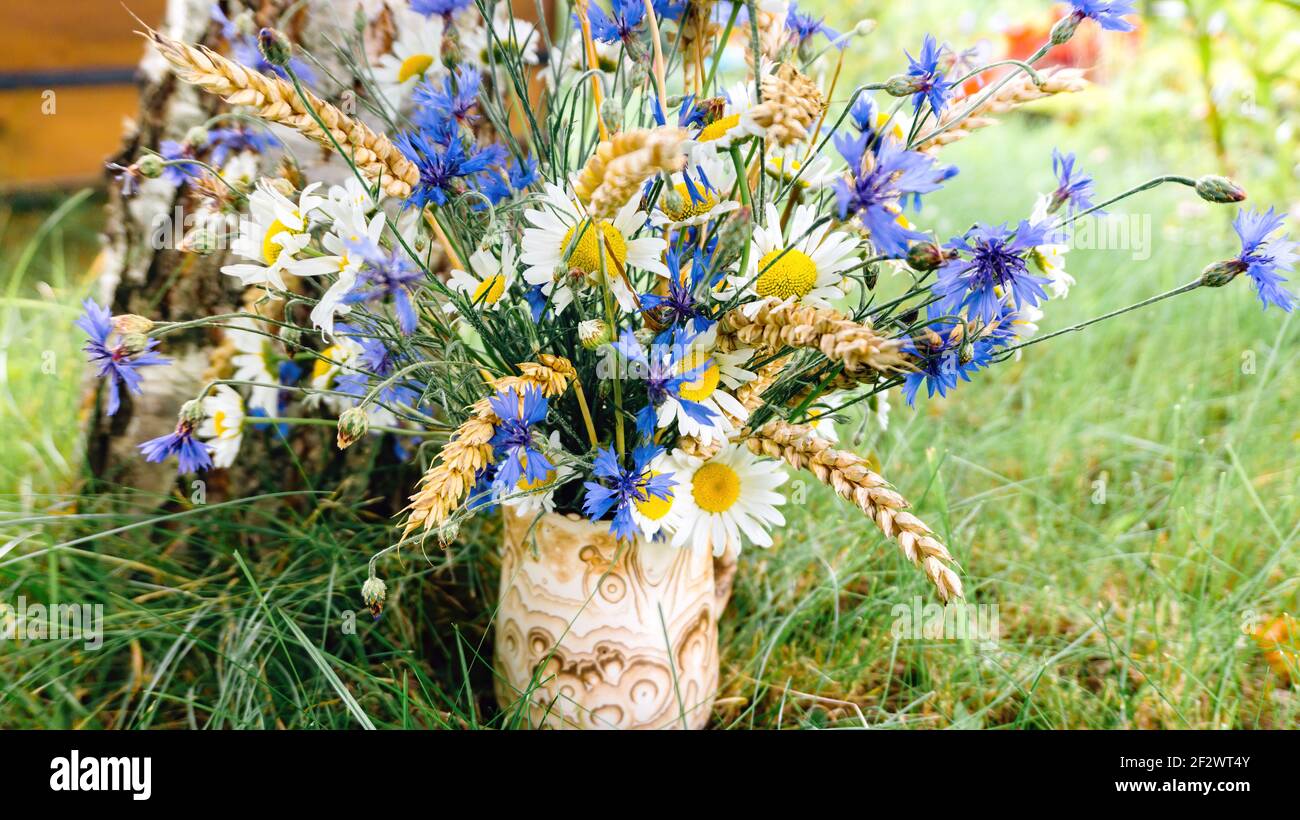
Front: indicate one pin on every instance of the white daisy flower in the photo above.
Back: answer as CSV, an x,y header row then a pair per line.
x,y
562,225
539,496
489,279
1050,258
709,204
273,235
821,420
737,121
324,370
255,362
723,370
807,269
416,54
241,171
719,500
812,176
508,35
351,227
352,197
222,428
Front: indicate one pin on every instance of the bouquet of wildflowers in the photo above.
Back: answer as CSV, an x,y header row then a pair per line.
x,y
624,265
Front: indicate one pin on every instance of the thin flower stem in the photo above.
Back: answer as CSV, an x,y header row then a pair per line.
x,y
661,88
589,51
586,413
313,422
1146,186
1190,286
973,107
722,45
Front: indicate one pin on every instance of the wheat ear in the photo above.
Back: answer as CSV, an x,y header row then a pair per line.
x,y
1014,94
276,100
858,347
621,164
849,476
444,486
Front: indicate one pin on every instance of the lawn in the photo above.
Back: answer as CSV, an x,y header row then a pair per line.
x,y
1122,500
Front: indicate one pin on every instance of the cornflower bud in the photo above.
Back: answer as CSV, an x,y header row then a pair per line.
x,y
354,423
373,593
274,46
150,166
1219,189
1219,274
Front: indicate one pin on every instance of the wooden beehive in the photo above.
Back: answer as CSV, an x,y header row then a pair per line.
x,y
66,85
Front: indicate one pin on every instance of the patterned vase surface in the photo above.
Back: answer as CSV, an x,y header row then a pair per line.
x,y
598,637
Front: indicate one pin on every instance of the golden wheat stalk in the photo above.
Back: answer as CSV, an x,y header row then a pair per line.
x,y
858,347
1014,94
849,476
444,486
276,100
615,172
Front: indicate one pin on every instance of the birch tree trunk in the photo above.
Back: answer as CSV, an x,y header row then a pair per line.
x,y
141,270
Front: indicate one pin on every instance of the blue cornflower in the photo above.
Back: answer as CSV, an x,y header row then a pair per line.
x,y
1262,257
681,308
499,184
620,25
378,361
1108,13
455,98
117,361
881,183
191,454
994,268
182,154
1073,187
536,299
805,27
940,359
625,488
226,142
384,276
658,367
445,8
928,82
512,442
669,9
442,159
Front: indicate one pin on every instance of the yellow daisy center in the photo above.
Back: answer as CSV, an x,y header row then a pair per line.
x,y
786,273
715,487
689,207
703,387
718,128
271,249
536,484
414,66
489,291
219,423
655,507
321,368
586,255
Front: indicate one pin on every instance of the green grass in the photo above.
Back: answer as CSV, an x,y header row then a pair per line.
x,y
1127,613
